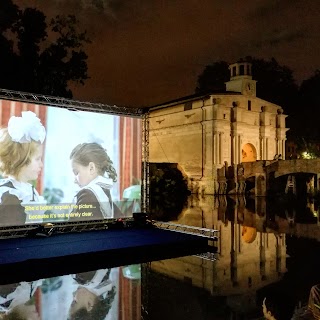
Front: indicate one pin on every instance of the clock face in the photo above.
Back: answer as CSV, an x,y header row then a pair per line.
x,y
249,88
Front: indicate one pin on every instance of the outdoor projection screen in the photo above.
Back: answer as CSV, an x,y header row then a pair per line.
x,y
115,193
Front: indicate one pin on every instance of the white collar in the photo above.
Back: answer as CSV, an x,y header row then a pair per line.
x,y
105,182
19,184
24,191
100,290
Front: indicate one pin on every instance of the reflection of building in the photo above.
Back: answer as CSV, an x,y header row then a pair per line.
x,y
251,256
202,133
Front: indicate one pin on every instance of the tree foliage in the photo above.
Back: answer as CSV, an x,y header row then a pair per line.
x,y
275,83
213,77
309,102
168,191
39,56
309,90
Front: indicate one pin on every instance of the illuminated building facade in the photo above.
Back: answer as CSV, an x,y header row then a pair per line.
x,y
205,133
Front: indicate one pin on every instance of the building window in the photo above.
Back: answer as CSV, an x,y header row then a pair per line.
x,y
248,69
249,105
241,70
234,71
224,116
188,106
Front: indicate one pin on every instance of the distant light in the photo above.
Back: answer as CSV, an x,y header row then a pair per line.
x,y
307,155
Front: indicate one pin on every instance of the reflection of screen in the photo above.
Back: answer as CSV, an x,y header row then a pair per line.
x,y
112,190
105,294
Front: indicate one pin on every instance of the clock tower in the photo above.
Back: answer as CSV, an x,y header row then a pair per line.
x,y
241,79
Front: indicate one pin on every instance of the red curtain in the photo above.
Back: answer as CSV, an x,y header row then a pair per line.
x,y
130,152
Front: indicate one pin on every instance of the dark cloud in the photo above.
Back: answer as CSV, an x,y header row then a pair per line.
x,y
278,37
144,52
110,8
269,8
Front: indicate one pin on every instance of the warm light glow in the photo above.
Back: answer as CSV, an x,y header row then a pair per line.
x,y
307,155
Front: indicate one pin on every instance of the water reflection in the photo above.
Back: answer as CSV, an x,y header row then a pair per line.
x,y
263,250
113,293
266,252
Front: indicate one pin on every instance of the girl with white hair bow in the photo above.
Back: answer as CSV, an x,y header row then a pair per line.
x,y
21,149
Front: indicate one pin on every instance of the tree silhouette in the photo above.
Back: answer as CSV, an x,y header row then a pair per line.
x,y
309,89
275,83
309,102
168,191
213,78
40,57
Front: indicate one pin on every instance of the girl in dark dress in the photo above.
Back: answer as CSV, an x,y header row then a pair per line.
x,y
93,170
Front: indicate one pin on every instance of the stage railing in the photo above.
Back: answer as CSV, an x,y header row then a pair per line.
x,y
210,234
202,232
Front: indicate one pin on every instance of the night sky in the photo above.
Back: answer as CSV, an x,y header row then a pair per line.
x,y
145,52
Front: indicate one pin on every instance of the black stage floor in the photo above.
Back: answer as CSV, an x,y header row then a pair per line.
x,y
26,259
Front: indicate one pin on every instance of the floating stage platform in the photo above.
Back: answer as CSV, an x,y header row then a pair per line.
x,y
42,254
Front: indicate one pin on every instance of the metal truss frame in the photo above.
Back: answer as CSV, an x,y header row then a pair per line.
x,y
70,104
145,190
15,231
211,234
75,105
145,280
46,229
210,256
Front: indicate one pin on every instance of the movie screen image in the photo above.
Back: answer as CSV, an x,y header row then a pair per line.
x,y
104,294
61,165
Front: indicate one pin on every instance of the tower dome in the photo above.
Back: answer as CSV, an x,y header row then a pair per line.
x,y
241,78
241,69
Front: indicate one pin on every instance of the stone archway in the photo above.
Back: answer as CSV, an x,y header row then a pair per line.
x,y
249,153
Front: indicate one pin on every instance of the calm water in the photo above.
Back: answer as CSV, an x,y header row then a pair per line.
x,y
265,250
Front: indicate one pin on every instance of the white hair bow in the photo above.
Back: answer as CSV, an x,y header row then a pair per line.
x,y
26,128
